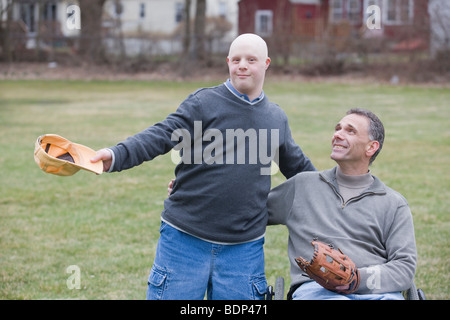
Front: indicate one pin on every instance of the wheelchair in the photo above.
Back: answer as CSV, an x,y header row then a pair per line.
x,y
277,292
414,293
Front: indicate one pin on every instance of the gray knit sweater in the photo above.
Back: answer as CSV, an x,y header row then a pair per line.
x,y
221,185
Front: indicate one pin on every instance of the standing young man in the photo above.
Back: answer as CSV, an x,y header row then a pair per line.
x,y
214,221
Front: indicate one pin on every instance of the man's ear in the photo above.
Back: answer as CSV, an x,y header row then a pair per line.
x,y
268,62
372,147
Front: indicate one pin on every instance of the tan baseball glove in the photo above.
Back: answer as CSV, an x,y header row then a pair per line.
x,y
332,269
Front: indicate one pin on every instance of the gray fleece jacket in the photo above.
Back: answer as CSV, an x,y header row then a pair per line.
x,y
375,229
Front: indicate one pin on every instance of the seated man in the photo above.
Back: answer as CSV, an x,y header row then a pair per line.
x,y
354,211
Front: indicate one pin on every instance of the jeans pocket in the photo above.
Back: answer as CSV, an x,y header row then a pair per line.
x,y
259,286
162,227
156,283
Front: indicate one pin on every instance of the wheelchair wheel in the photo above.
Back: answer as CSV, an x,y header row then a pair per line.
x,y
279,289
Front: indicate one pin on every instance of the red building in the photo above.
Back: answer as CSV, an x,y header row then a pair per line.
x,y
288,17
397,20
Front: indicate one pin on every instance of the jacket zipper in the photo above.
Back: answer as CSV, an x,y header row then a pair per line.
x,y
343,203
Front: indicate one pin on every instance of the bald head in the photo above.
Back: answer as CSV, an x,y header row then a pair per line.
x,y
248,61
250,40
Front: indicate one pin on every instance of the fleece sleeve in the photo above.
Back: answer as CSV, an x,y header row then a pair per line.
x,y
279,202
397,273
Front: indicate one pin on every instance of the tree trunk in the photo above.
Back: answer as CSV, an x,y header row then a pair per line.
x,y
187,28
91,30
5,30
199,31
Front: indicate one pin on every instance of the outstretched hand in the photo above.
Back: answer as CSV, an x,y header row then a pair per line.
x,y
104,155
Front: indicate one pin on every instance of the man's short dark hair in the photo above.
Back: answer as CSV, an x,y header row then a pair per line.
x,y
376,128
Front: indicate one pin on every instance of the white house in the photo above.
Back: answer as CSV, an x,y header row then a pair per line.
x,y
137,17
149,25
163,16
26,13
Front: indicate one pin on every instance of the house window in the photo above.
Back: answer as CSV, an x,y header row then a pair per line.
x,y
354,11
349,10
264,22
337,10
118,9
223,9
398,11
179,12
27,15
49,12
142,10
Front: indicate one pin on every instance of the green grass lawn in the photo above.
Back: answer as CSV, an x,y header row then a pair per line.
x,y
108,225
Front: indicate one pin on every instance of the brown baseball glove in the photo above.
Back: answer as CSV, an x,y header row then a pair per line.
x,y
332,269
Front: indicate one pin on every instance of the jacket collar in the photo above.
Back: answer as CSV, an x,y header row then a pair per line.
x,y
243,96
329,176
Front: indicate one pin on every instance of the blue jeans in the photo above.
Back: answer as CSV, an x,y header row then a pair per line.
x,y
313,291
186,267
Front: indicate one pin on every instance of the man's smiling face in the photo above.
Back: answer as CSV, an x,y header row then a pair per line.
x,y
351,144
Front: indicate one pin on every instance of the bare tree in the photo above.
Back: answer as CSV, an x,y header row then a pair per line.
x,y
282,36
199,31
91,31
187,28
5,30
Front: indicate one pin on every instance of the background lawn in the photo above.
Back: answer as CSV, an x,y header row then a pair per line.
x,y
108,225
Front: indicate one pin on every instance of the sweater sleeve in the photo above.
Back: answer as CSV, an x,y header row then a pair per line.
x,y
157,139
398,272
292,160
280,201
